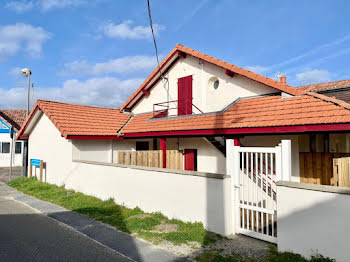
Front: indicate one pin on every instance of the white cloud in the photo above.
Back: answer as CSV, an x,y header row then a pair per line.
x,y
313,76
257,69
126,30
124,65
105,92
22,6
15,72
14,38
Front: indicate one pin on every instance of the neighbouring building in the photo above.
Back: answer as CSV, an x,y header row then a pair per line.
x,y
9,118
337,89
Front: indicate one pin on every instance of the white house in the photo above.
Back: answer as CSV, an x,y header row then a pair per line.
x,y
8,118
182,135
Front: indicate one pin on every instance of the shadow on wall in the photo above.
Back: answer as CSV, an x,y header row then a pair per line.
x,y
314,222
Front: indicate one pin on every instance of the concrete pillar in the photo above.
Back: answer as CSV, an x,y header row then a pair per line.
x,y
232,169
286,160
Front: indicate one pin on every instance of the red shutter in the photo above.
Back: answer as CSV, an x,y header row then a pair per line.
x,y
189,159
184,88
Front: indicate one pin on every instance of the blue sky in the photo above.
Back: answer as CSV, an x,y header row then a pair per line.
x,y
97,52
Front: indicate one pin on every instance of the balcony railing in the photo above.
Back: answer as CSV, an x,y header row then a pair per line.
x,y
166,109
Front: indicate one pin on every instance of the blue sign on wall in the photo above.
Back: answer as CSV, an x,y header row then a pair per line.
x,y
35,162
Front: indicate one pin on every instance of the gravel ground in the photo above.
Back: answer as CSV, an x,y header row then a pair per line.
x,y
238,244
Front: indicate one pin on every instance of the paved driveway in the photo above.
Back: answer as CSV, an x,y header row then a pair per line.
x,y
26,235
4,173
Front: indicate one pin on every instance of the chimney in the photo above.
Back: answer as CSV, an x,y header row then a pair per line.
x,y
284,80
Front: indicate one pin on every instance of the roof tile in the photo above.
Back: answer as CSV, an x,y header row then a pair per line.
x,y
254,112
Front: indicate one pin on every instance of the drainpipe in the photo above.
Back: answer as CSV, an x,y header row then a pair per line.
x,y
203,87
111,152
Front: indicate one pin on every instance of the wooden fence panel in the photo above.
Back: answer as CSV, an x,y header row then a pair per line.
x,y
152,158
317,168
341,171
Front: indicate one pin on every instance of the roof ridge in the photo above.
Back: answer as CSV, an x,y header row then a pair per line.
x,y
74,104
315,84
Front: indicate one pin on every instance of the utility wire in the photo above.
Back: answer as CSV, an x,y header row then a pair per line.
x,y
154,39
163,78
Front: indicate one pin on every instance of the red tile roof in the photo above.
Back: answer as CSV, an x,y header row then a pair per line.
x,y
80,120
256,112
14,117
235,69
326,85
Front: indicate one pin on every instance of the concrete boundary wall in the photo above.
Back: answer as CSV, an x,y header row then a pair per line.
x,y
313,219
185,195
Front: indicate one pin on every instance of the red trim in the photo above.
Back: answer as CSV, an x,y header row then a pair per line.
x,y
236,142
229,73
155,75
154,83
94,137
163,148
27,122
22,137
181,54
146,92
255,130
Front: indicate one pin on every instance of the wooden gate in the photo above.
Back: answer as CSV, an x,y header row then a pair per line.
x,y
258,170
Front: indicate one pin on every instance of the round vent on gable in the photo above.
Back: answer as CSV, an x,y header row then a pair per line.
x,y
214,83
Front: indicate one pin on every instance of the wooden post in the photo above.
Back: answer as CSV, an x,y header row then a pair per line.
x,y
163,149
30,168
41,170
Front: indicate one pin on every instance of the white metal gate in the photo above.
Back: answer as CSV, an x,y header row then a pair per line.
x,y
257,171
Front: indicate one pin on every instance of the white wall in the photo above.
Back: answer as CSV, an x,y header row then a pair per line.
x,y
209,159
205,97
274,140
313,221
6,157
93,150
46,143
186,197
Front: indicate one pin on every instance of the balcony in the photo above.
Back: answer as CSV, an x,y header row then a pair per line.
x,y
171,108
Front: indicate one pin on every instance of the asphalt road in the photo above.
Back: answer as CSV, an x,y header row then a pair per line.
x,y
26,235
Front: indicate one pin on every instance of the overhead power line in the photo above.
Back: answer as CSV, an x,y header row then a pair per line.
x,y
154,39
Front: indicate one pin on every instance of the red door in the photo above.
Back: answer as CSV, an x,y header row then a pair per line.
x,y
190,158
184,94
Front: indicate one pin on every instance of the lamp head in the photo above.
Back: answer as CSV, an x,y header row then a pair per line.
x,y
26,72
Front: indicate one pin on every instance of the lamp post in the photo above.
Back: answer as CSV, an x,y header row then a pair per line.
x,y
26,73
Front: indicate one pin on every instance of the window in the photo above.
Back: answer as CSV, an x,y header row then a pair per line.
x,y
216,84
18,148
213,83
142,145
5,148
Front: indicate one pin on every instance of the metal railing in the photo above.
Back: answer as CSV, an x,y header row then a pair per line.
x,y
170,108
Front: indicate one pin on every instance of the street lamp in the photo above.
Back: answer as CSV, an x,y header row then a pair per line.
x,y
26,73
